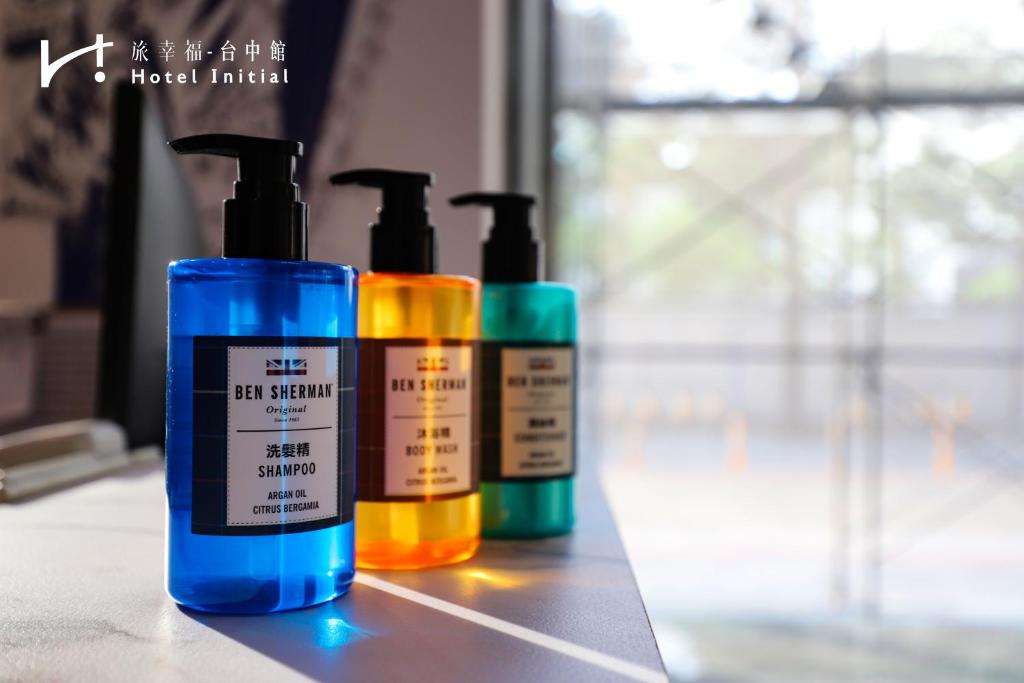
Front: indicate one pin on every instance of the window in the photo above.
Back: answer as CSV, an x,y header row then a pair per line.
x,y
796,229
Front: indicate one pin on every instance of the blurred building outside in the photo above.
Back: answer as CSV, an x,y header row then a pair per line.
x,y
796,230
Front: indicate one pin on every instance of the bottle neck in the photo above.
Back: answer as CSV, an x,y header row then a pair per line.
x,y
511,261
266,228
403,251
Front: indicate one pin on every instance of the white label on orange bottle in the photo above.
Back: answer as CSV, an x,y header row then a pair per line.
x,y
428,420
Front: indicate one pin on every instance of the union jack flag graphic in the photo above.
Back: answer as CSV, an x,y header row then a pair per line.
x,y
286,366
429,364
541,363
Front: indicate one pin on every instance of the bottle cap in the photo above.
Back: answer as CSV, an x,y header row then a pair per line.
x,y
265,218
511,254
402,240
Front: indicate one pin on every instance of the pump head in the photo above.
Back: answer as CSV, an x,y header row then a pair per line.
x,y
265,218
510,252
402,239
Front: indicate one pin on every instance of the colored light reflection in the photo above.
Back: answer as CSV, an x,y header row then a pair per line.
x,y
335,632
492,578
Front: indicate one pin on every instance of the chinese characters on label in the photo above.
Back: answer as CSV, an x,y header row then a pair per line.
x,y
428,421
537,411
282,434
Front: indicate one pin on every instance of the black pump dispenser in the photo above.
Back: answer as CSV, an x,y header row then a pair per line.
x,y
265,219
510,252
402,239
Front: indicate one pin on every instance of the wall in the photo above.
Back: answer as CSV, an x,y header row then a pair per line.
x,y
408,95
423,110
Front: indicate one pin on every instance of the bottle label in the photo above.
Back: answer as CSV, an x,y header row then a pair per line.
x,y
273,434
529,411
417,418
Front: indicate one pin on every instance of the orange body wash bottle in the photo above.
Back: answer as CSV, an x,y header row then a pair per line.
x,y
417,472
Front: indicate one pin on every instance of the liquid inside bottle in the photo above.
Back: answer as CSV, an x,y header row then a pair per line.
x,y
418,501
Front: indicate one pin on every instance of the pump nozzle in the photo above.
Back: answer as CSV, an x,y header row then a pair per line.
x,y
402,239
265,218
510,252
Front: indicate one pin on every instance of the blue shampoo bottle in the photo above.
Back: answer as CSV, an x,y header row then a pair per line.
x,y
260,402
528,398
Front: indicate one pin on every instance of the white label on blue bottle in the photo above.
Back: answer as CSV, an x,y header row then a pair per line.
x,y
282,434
537,412
428,420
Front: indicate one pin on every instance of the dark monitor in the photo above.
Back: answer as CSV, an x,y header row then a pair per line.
x,y
151,220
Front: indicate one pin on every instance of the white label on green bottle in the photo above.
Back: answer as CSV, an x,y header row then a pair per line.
x,y
428,420
537,411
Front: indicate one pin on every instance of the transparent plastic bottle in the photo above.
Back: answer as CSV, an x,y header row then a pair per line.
x,y
536,320
260,403
419,433
284,303
528,361
429,310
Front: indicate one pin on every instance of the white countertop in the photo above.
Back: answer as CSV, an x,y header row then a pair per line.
x,y
81,597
